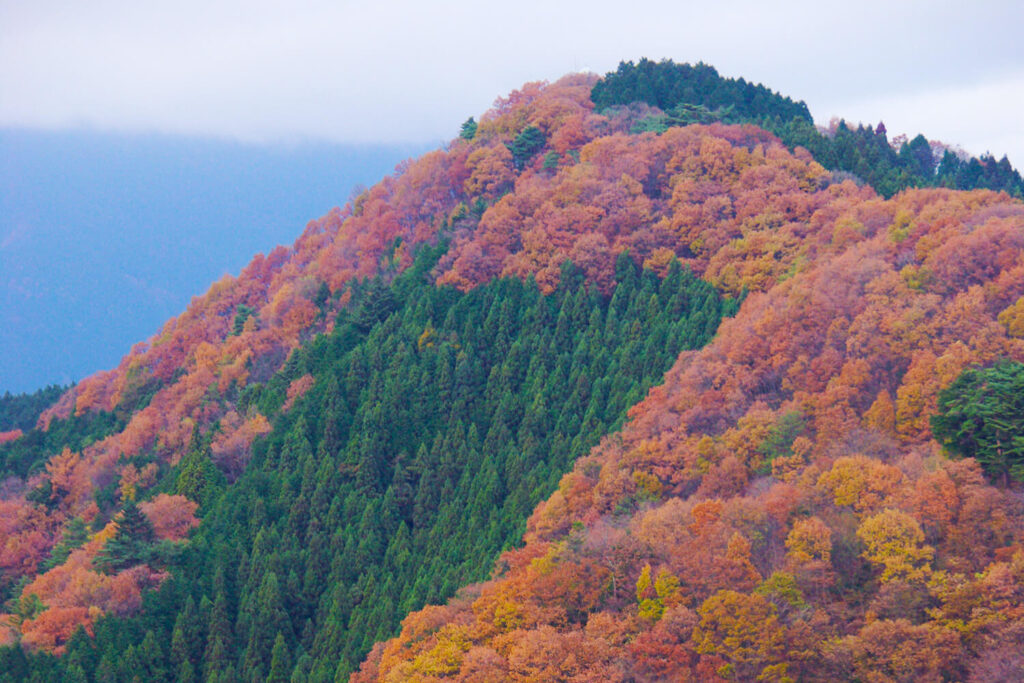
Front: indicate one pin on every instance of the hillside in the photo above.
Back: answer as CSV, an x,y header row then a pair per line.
x,y
357,425
778,506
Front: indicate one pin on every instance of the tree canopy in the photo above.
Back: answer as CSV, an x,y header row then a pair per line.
x,y
981,416
688,94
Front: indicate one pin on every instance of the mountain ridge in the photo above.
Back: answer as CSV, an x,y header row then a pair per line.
x,y
798,435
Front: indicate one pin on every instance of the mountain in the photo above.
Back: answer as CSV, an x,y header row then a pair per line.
x,y
662,396
126,229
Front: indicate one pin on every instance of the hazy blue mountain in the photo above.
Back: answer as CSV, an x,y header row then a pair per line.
x,y
103,237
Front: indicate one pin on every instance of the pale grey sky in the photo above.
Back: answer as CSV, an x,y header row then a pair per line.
x,y
400,71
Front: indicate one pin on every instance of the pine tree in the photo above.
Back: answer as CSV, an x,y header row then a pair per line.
x,y
151,658
131,545
75,535
217,659
107,669
271,620
198,478
186,673
219,636
280,662
75,674
187,635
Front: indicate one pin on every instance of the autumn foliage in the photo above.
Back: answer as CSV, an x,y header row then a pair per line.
x,y
776,510
11,435
834,546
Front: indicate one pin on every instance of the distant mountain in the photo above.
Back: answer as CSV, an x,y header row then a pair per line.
x,y
104,236
771,417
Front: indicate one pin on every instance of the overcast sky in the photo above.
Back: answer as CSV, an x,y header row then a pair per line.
x,y
390,71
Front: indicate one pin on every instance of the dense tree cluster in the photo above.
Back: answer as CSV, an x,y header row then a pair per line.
x,y
981,416
23,410
798,521
891,166
697,94
667,85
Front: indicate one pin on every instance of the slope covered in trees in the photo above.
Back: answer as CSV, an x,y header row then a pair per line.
x,y
689,94
777,508
408,448
805,525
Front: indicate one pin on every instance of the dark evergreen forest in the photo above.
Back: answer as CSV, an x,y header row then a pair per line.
x,y
20,411
436,421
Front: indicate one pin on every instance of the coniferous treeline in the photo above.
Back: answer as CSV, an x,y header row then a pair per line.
x,y
697,94
666,85
435,422
866,152
20,411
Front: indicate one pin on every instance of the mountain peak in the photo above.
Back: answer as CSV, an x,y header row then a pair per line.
x,y
707,360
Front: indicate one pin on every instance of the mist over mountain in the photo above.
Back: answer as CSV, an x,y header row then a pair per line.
x,y
104,236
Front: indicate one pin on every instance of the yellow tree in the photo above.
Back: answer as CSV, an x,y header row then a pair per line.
x,y
745,631
895,541
860,482
810,539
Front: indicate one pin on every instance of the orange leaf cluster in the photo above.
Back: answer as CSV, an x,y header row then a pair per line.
x,y
12,435
75,594
172,516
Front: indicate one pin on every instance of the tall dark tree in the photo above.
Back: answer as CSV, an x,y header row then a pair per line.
x,y
198,478
981,416
132,543
468,130
526,145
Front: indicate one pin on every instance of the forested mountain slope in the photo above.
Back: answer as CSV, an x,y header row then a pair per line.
x,y
688,94
778,508
425,360
172,427
797,519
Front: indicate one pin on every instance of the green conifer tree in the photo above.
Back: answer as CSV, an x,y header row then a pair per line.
x,y
131,545
280,662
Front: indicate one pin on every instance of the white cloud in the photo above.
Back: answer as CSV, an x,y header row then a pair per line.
x,y
412,71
